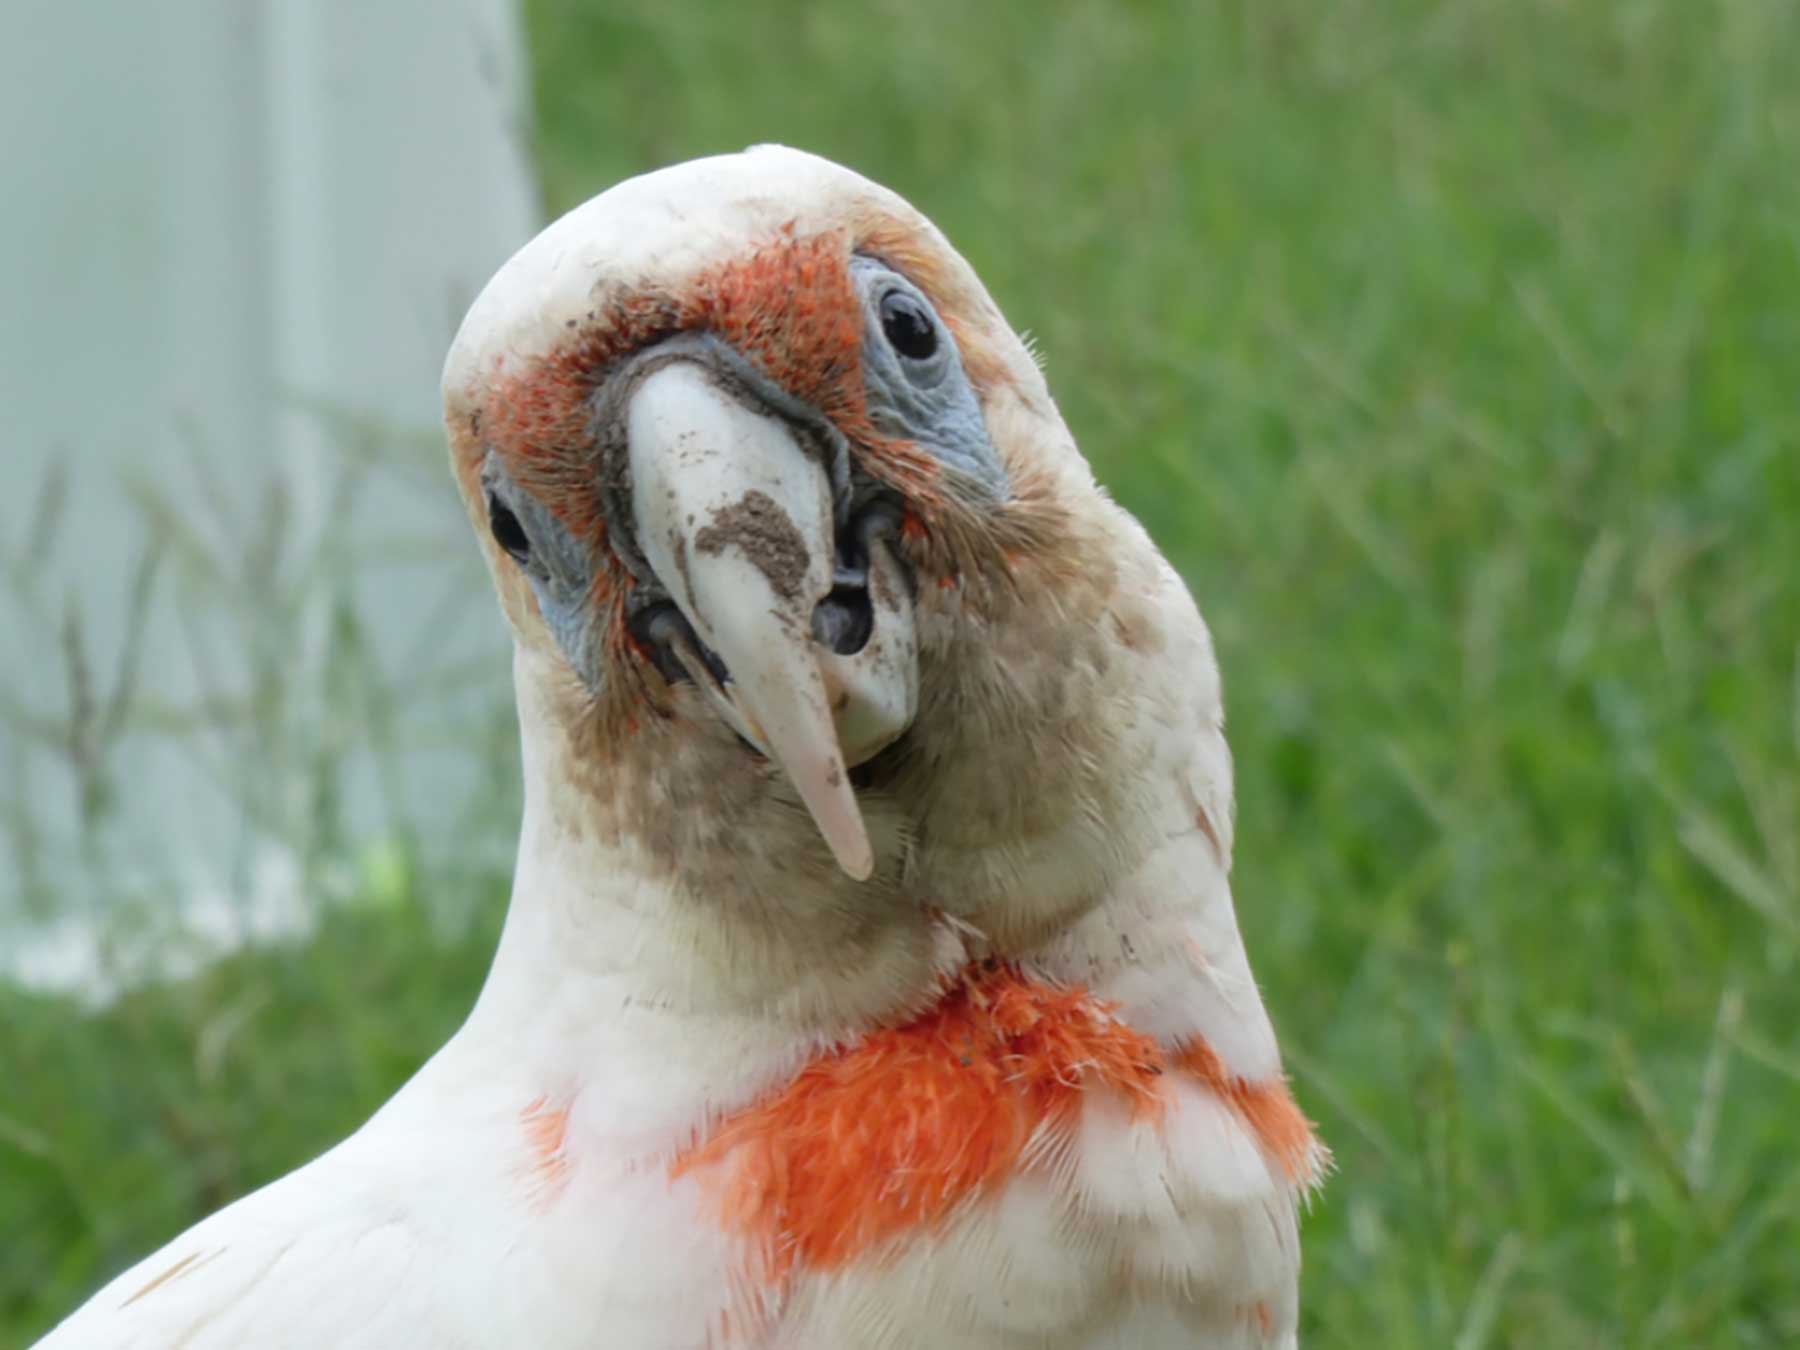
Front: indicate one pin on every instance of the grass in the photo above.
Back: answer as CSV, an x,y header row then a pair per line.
x,y
1450,350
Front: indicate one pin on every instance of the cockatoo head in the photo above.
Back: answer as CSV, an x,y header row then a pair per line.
x,y
763,478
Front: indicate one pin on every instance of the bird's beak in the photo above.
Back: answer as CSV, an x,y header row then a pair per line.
x,y
736,519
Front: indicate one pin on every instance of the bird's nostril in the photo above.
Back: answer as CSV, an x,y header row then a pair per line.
x,y
844,620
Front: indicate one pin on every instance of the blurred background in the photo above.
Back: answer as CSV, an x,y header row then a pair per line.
x,y
1450,348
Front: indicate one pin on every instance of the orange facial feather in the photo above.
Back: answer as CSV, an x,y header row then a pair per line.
x,y
789,307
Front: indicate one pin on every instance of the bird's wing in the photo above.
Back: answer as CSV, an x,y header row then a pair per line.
x,y
306,1261
442,1223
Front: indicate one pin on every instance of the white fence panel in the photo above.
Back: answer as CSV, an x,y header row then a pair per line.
x,y
235,238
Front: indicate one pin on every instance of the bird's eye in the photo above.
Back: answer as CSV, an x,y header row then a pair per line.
x,y
908,327
508,533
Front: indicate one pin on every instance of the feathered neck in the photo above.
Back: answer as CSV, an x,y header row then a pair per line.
x,y
723,902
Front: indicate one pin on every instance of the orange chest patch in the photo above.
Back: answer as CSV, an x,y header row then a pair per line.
x,y
891,1134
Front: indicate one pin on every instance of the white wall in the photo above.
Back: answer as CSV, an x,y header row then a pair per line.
x,y
235,239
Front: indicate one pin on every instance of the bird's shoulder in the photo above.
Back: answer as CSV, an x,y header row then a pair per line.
x,y
397,1236
311,1259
